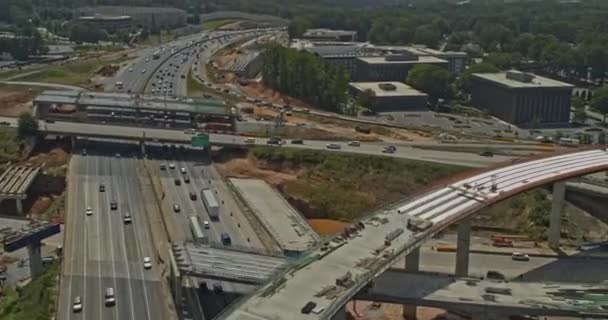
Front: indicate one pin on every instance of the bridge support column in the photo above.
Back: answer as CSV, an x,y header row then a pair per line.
x,y
73,140
340,315
555,222
33,252
142,147
19,204
412,264
462,248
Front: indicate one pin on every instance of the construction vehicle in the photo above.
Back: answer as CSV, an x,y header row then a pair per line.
x,y
418,224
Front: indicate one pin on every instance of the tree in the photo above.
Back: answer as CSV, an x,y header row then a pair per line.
x,y
578,104
430,79
27,125
599,102
482,67
365,98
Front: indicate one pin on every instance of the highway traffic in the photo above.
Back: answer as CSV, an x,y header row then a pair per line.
x,y
110,269
184,175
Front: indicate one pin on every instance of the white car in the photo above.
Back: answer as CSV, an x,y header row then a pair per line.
x,y
333,146
131,69
143,71
354,144
89,211
250,140
77,305
206,224
183,170
171,166
518,256
147,263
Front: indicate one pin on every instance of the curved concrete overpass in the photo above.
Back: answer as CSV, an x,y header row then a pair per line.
x,y
364,256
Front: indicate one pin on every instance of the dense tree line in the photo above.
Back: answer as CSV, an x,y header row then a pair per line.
x,y
305,76
24,41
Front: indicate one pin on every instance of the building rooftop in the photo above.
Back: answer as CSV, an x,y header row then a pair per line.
x,y
393,88
133,101
328,33
102,17
384,60
243,60
518,79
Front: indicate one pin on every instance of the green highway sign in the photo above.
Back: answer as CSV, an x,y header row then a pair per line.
x,y
200,140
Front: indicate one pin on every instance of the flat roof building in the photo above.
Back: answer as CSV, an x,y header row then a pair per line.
x,y
391,67
151,17
330,35
108,22
390,96
522,98
248,65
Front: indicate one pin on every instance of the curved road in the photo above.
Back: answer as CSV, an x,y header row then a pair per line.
x,y
365,256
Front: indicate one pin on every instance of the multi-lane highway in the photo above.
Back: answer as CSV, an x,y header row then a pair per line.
x,y
170,61
202,175
101,250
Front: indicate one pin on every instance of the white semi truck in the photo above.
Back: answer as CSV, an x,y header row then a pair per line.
x,y
213,207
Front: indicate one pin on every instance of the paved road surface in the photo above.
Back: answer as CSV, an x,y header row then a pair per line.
x,y
101,251
203,175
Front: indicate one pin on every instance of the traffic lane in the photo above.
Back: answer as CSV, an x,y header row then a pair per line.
x,y
195,186
221,225
237,221
172,197
536,269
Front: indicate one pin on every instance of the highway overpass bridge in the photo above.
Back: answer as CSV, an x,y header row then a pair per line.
x,y
334,273
494,299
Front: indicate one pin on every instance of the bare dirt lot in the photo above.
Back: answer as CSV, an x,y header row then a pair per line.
x,y
15,100
365,310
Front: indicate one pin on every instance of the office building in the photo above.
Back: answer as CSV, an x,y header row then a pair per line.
x,y
390,96
456,61
151,17
108,23
522,98
330,35
391,67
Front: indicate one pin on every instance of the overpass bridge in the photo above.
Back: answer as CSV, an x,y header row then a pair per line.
x,y
332,274
491,298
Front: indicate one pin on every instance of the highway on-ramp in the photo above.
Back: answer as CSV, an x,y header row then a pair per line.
x,y
101,251
356,260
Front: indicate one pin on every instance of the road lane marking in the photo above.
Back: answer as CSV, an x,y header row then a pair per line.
x,y
98,223
122,234
109,223
139,257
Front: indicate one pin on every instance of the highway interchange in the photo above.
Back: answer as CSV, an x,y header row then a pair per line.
x,y
104,252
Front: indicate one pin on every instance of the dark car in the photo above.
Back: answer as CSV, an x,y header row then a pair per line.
x,y
226,240
187,179
486,154
113,205
297,141
307,308
193,196
273,141
102,187
178,182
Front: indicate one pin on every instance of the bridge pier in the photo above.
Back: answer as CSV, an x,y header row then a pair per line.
x,y
19,204
412,264
462,248
73,140
340,315
33,253
142,147
555,222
